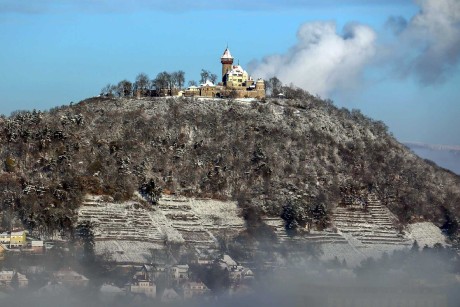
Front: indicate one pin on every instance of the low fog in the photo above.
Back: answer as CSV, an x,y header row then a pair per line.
x,y
411,277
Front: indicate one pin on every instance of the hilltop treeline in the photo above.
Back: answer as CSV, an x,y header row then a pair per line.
x,y
296,158
164,84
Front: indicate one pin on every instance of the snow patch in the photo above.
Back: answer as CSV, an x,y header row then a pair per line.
x,y
426,233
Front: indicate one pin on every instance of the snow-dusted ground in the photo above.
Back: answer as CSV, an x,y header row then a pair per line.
x,y
425,233
241,100
125,251
360,234
201,221
128,231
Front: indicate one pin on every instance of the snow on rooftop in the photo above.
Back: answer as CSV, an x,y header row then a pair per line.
x,y
237,69
108,288
228,260
207,83
227,54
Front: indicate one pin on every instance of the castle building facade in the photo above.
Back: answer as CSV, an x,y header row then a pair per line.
x,y
236,83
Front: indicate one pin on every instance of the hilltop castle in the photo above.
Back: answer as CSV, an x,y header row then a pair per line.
x,y
236,83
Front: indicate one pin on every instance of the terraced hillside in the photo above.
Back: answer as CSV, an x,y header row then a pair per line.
x,y
370,231
128,231
125,231
327,236
372,225
359,233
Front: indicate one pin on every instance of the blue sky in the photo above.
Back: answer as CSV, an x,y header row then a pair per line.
x,y
400,71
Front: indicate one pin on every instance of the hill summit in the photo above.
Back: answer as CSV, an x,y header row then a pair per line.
x,y
294,158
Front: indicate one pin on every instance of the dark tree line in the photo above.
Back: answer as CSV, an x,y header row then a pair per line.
x,y
164,84
304,214
274,88
143,86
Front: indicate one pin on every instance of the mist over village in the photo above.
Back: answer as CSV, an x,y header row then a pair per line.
x,y
162,153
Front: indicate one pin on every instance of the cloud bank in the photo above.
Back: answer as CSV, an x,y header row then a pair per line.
x,y
322,60
427,47
430,42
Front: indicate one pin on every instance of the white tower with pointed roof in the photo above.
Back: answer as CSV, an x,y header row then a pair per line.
x,y
227,62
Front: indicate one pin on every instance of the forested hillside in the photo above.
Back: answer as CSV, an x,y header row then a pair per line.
x,y
299,157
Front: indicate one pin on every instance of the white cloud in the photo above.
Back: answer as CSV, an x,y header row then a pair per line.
x,y
322,60
429,46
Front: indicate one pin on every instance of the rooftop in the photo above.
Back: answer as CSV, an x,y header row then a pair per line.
x,y
227,54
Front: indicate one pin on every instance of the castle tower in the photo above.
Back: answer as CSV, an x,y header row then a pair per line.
x,y
260,85
227,62
260,88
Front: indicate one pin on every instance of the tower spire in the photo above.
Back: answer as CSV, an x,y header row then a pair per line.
x,y
227,62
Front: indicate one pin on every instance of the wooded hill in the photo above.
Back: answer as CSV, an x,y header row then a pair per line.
x,y
296,158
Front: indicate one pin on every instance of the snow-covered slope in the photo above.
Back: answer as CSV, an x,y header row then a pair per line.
x,y
129,231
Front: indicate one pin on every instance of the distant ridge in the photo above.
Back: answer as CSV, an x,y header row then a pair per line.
x,y
433,146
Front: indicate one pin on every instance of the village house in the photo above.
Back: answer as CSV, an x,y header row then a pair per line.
x,y
227,262
34,247
13,238
194,289
237,272
70,278
240,273
23,282
141,286
236,83
153,271
179,272
37,246
203,260
7,277
34,269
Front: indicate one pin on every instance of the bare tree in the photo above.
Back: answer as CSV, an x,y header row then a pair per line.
x,y
273,86
204,75
213,78
142,83
162,80
107,90
124,88
178,78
